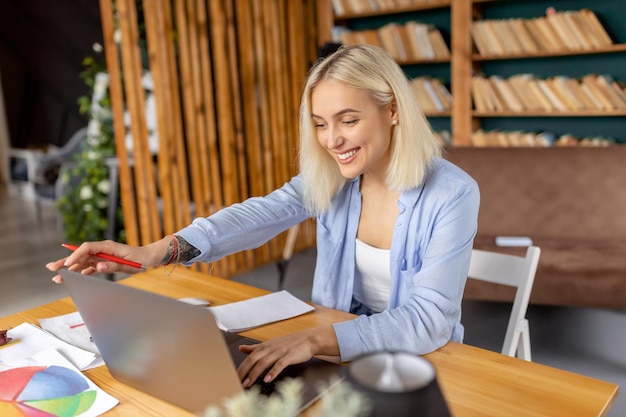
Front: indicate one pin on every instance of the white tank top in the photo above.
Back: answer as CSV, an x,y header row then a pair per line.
x,y
373,281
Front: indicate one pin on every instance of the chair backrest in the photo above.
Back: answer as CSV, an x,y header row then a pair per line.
x,y
515,271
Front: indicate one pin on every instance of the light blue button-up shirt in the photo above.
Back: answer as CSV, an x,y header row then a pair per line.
x,y
430,253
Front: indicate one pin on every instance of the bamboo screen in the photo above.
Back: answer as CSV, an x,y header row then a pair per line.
x,y
227,82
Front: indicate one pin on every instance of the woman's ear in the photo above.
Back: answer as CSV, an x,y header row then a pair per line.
x,y
393,108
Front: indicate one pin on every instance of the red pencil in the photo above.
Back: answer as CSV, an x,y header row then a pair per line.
x,y
108,257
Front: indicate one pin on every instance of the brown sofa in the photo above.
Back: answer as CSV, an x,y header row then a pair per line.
x,y
571,202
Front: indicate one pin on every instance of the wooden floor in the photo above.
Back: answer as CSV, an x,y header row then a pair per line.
x,y
583,340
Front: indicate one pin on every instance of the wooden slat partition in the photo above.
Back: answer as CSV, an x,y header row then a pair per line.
x,y
172,167
127,190
227,82
145,184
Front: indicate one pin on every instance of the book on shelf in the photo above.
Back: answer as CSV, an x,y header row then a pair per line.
x,y
579,21
359,6
493,40
592,84
405,39
511,101
443,93
486,98
619,89
479,101
590,93
521,32
424,98
557,104
493,95
430,88
595,27
345,36
577,29
386,4
548,35
438,43
561,88
479,139
539,94
575,88
392,41
532,26
508,40
339,8
519,85
371,37
518,139
564,96
419,42
351,6
479,37
563,31
604,85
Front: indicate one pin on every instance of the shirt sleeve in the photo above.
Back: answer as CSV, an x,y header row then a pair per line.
x,y
431,288
246,225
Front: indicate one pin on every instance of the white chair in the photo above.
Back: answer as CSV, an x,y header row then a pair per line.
x,y
515,271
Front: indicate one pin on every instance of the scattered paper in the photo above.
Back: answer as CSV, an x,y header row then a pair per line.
x,y
71,329
29,340
48,384
254,312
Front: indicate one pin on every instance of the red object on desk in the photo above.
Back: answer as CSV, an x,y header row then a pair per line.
x,y
108,257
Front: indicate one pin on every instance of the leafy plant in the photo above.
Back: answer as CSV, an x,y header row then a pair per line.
x,y
84,204
340,399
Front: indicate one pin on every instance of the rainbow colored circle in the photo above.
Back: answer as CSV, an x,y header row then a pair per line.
x,y
44,391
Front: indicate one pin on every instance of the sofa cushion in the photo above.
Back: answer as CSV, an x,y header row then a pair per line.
x,y
570,273
571,202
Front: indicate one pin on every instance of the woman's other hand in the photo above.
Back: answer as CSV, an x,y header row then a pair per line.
x,y
270,358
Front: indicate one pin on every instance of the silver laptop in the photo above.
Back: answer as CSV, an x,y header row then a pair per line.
x,y
171,349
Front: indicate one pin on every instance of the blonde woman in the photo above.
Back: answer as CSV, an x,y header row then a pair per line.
x,y
395,221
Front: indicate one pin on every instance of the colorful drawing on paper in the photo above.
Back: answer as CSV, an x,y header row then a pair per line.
x,y
44,391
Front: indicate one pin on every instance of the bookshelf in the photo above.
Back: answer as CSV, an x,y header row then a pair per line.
x,y
455,19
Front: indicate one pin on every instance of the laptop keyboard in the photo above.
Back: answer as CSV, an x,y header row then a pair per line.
x,y
266,388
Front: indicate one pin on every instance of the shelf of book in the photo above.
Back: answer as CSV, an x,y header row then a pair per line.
x,y
367,11
586,113
531,39
549,54
552,60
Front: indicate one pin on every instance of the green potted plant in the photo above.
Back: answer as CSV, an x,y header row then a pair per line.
x,y
84,204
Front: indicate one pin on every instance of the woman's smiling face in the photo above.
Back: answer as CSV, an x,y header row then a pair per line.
x,y
353,128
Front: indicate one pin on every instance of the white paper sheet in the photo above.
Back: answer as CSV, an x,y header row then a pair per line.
x,y
49,382
254,312
29,340
71,329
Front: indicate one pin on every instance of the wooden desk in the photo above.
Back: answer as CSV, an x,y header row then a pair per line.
x,y
475,382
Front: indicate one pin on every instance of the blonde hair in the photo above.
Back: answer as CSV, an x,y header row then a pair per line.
x,y
413,144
